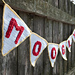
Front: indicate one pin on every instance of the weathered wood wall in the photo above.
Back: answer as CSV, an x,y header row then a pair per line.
x,y
52,19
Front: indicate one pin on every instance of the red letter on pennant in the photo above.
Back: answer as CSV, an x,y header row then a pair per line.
x,y
52,53
18,28
34,48
63,50
69,43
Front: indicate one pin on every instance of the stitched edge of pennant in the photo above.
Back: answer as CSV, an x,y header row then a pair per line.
x,y
30,48
48,52
71,44
3,28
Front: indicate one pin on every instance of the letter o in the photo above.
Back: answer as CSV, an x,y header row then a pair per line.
x,y
53,49
34,48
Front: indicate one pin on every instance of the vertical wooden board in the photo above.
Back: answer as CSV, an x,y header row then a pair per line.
x,y
1,57
48,36
69,7
61,5
66,6
61,66
69,53
73,50
53,2
23,53
55,40
30,25
56,3
65,36
9,62
50,1
38,28
72,9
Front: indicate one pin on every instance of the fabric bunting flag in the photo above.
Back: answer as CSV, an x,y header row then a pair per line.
x,y
14,30
69,43
37,45
74,35
62,47
52,52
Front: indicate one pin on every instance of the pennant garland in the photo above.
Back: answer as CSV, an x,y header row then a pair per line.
x,y
15,31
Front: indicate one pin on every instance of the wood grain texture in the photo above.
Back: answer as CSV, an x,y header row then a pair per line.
x,y
69,53
73,50
48,37
55,40
1,57
23,59
65,36
38,28
61,68
9,62
43,8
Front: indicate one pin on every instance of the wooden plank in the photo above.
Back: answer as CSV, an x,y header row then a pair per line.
x,y
72,9
61,5
61,66
69,7
73,48
9,62
69,53
31,26
56,3
55,40
65,36
1,57
70,32
58,41
23,53
71,72
66,6
38,28
48,37
50,1
42,8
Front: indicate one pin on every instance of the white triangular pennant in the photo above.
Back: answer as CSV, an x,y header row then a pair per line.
x,y
62,47
37,45
14,30
73,35
69,43
53,52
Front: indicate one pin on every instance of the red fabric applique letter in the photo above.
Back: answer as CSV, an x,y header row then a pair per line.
x,y
69,43
18,28
52,53
34,48
74,34
63,50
